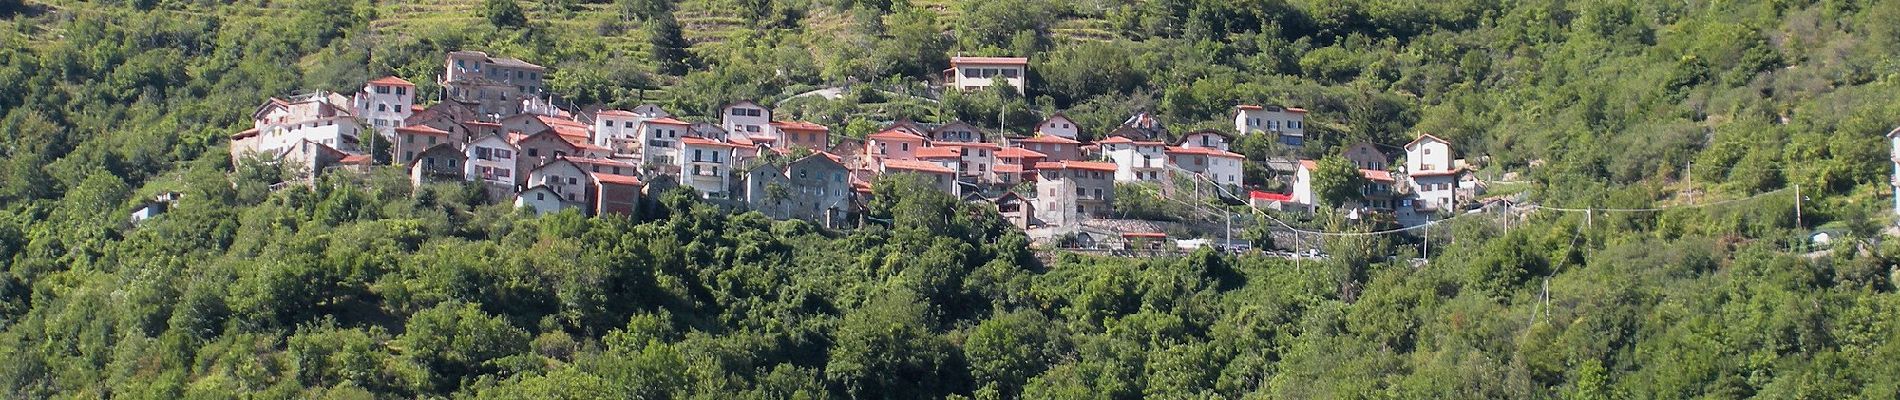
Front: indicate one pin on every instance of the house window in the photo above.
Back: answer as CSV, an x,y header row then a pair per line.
x,y
382,107
402,91
380,89
903,146
572,181
540,196
534,152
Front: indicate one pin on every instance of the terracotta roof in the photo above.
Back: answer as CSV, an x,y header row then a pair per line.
x,y
668,121
422,130
616,179
1296,110
912,165
391,80
1090,165
894,134
1018,152
1373,174
939,152
1048,139
1421,138
1006,168
1269,196
800,126
244,134
989,60
355,159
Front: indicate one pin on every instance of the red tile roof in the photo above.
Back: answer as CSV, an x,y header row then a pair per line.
x,y
422,130
1247,107
616,179
939,152
922,166
355,159
1373,174
1048,139
1018,152
391,80
1007,168
895,134
668,121
1269,196
989,60
800,126
1090,165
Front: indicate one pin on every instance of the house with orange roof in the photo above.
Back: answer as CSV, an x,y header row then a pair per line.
x,y
802,134
1216,165
1377,193
1055,148
893,144
945,178
1136,161
1068,192
412,140
1288,123
385,103
971,73
540,148
616,194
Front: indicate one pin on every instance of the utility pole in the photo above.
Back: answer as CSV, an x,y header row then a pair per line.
x,y
1797,206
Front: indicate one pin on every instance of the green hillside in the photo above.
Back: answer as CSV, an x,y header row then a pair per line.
x,y
362,287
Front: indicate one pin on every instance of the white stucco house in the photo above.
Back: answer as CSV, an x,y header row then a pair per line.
x,y
1431,173
971,73
1289,123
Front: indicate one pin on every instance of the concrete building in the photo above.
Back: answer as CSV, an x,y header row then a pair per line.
x,y
802,134
659,142
385,103
1136,161
971,73
496,85
748,119
1069,191
439,163
893,143
957,131
541,199
1216,165
1366,156
706,165
1054,148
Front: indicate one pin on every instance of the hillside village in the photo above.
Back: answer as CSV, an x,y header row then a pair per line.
x,y
495,124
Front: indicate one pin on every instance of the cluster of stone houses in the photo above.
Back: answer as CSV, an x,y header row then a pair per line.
x,y
494,125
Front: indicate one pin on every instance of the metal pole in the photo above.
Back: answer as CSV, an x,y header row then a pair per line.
x,y
1797,206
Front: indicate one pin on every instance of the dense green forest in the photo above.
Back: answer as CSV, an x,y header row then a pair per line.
x,y
362,287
